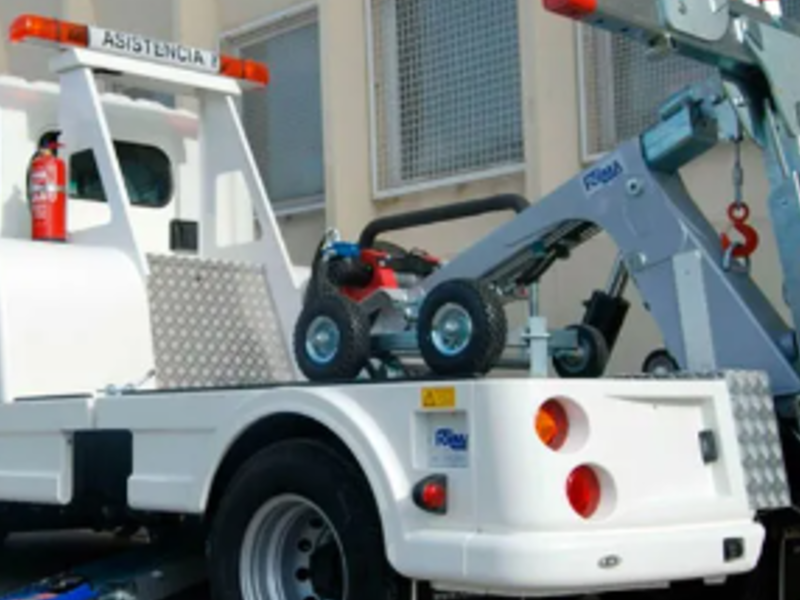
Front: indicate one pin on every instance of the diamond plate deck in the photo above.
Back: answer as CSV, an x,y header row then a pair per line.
x,y
214,325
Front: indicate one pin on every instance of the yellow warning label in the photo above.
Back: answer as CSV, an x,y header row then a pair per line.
x,y
439,397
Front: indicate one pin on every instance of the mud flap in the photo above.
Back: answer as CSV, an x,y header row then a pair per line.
x,y
790,566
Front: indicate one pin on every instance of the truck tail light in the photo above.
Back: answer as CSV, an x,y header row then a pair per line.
x,y
575,9
430,494
552,424
584,491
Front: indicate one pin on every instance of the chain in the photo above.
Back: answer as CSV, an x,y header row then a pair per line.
x,y
738,174
738,214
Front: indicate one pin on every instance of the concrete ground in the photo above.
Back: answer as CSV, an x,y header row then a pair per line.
x,y
27,558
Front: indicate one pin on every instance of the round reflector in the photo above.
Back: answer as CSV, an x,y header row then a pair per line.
x,y
434,496
583,491
552,424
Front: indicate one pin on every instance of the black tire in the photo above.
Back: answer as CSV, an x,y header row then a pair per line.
x,y
314,473
661,360
353,327
489,328
592,359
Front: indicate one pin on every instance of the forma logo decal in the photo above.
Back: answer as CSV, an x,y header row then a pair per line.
x,y
138,46
602,175
449,438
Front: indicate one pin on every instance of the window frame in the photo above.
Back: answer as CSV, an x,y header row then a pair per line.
x,y
260,30
393,140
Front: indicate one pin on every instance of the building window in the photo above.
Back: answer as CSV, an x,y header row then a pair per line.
x,y
622,89
147,172
446,90
283,121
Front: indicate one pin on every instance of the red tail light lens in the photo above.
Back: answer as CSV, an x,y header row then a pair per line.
x,y
584,491
430,494
434,496
552,424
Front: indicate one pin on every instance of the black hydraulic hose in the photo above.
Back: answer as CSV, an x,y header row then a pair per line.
x,y
450,212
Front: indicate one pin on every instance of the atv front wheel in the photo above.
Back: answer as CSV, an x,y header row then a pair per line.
x,y
462,328
331,338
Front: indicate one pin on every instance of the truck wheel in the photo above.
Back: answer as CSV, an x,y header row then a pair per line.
x,y
589,360
331,338
298,522
462,328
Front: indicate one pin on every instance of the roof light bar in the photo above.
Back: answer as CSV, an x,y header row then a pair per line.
x,y
35,28
50,30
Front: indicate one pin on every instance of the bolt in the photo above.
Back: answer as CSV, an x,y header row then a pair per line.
x,y
682,8
634,187
636,261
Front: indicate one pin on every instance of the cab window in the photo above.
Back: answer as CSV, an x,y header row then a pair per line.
x,y
146,170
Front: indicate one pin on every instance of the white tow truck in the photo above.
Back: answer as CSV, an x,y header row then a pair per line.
x,y
153,383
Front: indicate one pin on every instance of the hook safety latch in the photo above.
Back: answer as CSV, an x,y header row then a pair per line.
x,y
738,213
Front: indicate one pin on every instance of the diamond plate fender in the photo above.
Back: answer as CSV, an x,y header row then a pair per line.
x,y
759,439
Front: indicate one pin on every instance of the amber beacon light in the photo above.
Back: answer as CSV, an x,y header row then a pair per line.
x,y
46,29
574,9
36,28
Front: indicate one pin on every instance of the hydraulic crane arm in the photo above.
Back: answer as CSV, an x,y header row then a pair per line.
x,y
707,31
710,312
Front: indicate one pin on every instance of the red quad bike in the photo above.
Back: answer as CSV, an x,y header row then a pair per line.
x,y
367,310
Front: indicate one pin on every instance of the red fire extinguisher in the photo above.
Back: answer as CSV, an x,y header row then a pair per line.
x,y
47,194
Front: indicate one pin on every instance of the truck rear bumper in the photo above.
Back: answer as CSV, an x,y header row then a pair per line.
x,y
552,563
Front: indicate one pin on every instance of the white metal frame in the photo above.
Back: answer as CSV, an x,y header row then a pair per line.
x,y
380,194
263,29
223,148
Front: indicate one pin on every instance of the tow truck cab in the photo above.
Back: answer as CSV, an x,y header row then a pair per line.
x,y
158,151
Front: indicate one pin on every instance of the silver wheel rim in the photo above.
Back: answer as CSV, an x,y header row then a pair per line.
x,y
451,330
279,548
661,367
577,359
322,340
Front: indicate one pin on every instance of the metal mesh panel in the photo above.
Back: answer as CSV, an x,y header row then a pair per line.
x,y
623,89
214,325
791,9
447,88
